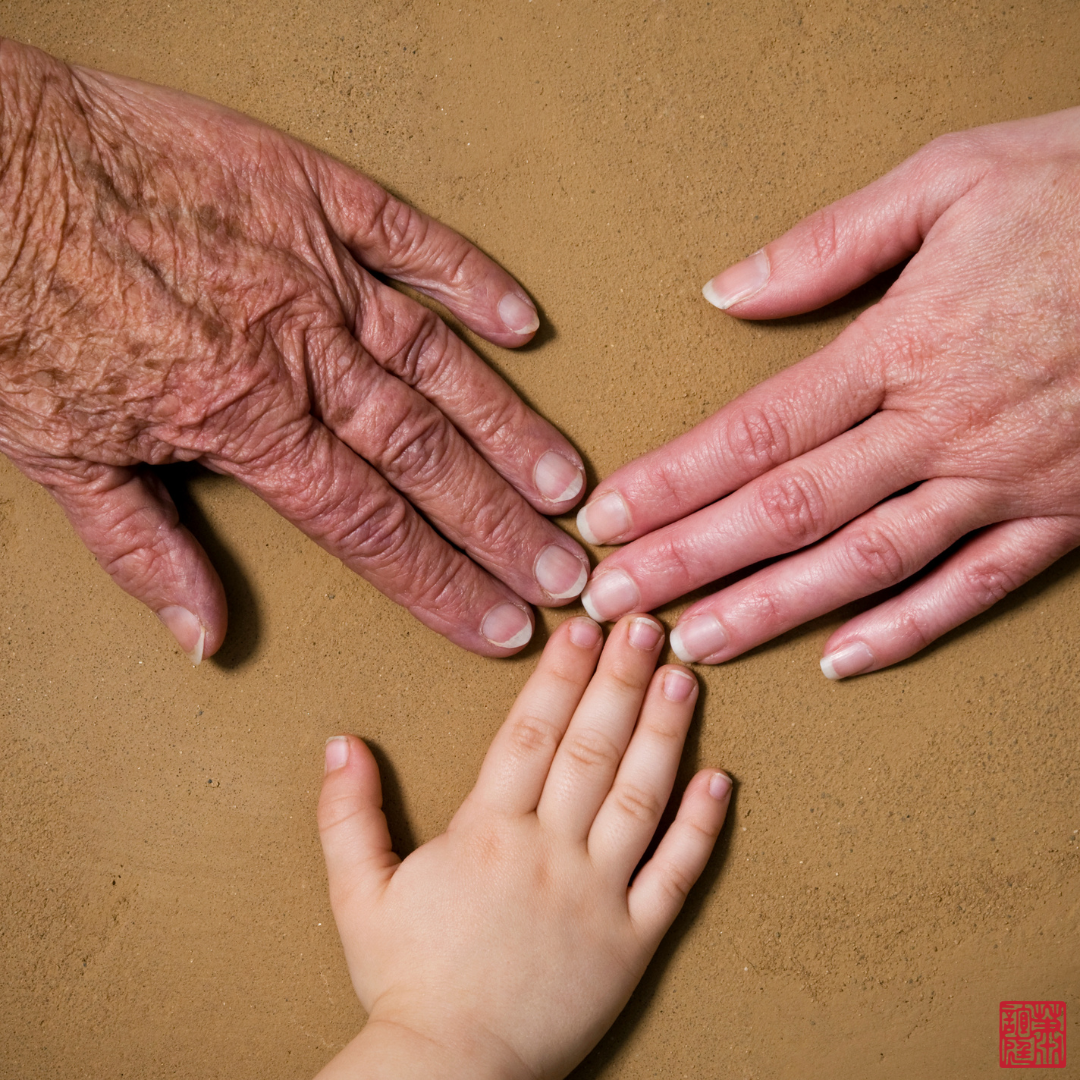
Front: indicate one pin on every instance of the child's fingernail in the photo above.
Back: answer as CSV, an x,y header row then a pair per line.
x,y
559,573
557,478
850,660
678,684
518,314
507,626
337,752
603,519
190,634
610,595
738,282
644,634
584,633
719,786
698,637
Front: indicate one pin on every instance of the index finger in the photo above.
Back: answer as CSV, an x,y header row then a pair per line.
x,y
395,238
777,421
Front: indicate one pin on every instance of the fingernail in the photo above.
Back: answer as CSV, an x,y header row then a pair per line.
x,y
190,634
507,626
603,519
850,660
337,752
559,573
519,315
644,634
610,595
719,786
698,637
678,684
738,282
557,478
584,633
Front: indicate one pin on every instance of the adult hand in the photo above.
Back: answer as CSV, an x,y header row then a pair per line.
x,y
179,282
508,945
946,418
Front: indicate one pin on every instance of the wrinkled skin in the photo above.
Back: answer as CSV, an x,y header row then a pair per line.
x,y
962,384
178,283
504,948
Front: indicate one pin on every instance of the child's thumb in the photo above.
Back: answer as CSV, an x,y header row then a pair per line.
x,y
352,826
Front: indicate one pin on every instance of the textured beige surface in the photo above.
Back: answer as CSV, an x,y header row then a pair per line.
x,y
902,852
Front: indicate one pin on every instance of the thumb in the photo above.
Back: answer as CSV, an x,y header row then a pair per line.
x,y
129,522
841,246
352,827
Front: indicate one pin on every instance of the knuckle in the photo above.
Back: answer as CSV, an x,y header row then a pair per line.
x,y
532,734
677,883
401,228
638,803
590,750
876,557
376,532
424,353
792,507
988,583
418,451
759,437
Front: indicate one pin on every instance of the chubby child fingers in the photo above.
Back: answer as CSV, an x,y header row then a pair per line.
x,y
660,889
352,827
517,763
629,815
589,754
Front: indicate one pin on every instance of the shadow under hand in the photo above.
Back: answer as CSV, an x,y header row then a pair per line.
x,y
402,834
245,619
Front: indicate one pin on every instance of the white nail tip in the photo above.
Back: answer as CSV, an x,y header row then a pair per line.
x,y
195,656
574,589
827,668
573,490
713,296
583,527
520,638
677,647
588,605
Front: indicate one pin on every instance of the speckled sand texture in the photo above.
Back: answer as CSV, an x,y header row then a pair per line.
x,y
902,853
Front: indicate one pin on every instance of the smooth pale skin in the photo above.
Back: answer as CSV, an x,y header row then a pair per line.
x,y
506,947
181,283
964,380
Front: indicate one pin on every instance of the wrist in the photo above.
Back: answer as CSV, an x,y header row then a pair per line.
x,y
429,1048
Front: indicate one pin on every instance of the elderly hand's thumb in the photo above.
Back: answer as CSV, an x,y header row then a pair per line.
x,y
129,522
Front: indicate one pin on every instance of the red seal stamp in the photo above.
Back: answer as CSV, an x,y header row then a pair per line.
x,y
1032,1035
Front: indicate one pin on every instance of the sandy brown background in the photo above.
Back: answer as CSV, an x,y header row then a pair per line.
x,y
903,850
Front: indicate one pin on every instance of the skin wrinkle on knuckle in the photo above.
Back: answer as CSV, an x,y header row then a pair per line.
x,y
637,802
590,750
532,735
876,556
792,507
418,455
759,436
825,240
988,582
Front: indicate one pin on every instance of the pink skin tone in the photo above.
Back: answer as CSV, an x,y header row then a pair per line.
x,y
506,947
963,380
179,282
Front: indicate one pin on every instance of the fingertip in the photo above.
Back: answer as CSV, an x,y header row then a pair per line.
x,y
508,626
720,786
584,633
336,753
739,282
678,683
519,315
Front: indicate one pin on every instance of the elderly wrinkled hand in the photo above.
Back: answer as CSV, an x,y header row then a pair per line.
x,y
944,421
179,282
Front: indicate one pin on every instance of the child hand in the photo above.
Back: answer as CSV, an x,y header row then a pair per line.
x,y
508,945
